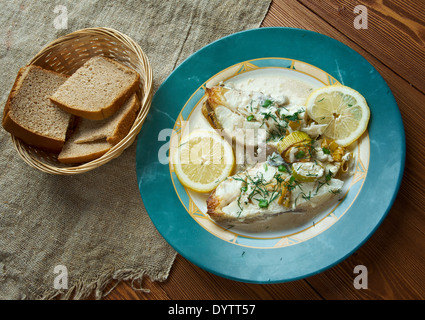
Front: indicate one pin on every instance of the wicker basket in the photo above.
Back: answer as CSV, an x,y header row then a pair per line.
x,y
66,55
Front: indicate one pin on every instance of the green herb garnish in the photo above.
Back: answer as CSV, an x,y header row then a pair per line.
x,y
282,168
267,103
328,176
300,154
326,151
263,203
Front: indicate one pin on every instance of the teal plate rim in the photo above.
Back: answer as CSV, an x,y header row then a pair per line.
x,y
277,265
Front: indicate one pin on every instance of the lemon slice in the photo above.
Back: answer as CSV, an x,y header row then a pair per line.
x,y
307,171
343,109
202,160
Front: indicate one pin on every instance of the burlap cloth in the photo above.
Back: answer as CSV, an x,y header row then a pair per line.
x,y
93,224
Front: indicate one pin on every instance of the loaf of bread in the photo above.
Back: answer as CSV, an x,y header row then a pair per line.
x,y
97,89
93,138
30,115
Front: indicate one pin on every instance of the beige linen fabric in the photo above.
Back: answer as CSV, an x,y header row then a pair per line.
x,y
94,224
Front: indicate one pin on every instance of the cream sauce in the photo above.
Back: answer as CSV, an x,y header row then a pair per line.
x,y
271,82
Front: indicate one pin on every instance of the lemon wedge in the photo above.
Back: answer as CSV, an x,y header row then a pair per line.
x,y
343,109
202,160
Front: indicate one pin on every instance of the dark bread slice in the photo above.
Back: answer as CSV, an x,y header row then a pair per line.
x,y
112,129
83,152
93,138
30,115
97,89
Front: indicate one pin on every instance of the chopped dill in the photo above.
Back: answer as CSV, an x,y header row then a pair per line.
x,y
306,197
335,191
326,151
293,117
237,178
267,103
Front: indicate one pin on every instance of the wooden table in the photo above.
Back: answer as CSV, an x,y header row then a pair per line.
x,y
394,43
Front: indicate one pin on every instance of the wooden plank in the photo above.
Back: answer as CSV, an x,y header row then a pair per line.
x,y
394,261
187,281
133,290
147,290
395,32
393,255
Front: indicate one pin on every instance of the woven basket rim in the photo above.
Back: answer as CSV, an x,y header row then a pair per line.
x,y
145,104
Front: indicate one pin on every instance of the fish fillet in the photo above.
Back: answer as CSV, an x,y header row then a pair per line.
x,y
256,193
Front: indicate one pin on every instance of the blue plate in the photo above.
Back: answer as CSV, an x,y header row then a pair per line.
x,y
290,254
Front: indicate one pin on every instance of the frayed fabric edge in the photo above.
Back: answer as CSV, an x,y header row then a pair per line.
x,y
83,288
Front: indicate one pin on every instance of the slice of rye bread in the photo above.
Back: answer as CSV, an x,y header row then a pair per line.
x,y
30,115
112,129
93,138
83,152
97,89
